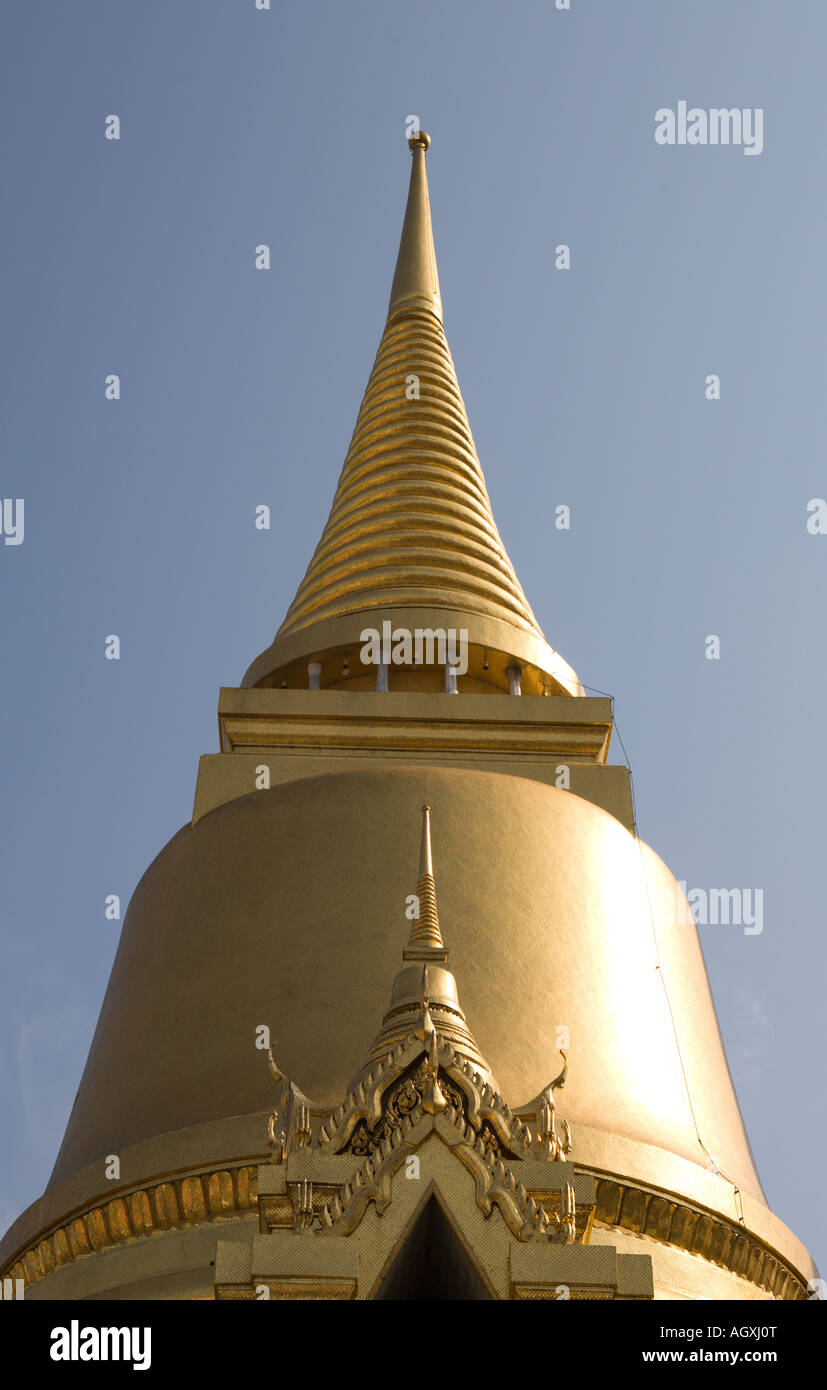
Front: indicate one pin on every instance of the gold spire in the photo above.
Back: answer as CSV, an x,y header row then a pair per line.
x,y
424,994
425,930
415,282
411,522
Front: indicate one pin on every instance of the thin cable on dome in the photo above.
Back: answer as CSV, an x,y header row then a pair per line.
x,y
739,1207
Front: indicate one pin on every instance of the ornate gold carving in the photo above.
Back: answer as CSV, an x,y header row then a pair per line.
x,y
383,1119
701,1233
289,1124
556,1146
176,1202
304,1206
496,1182
193,1203
426,1084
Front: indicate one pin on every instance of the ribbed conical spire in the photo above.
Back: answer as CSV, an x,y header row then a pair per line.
x,y
411,522
425,930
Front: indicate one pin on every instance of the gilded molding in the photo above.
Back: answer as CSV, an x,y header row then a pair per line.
x,y
321,724
624,1206
210,1197
173,1203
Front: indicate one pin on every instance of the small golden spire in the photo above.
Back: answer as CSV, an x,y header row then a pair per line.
x,y
425,932
424,999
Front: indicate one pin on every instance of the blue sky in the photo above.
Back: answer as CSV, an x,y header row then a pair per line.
x,y
584,387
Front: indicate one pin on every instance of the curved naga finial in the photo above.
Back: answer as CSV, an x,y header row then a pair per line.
x,y
278,1125
557,1146
559,1081
290,1123
277,1075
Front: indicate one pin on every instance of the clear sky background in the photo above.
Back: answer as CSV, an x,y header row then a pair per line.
x,y
585,387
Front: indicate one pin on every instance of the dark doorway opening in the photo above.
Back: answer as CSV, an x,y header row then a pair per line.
x,y
432,1264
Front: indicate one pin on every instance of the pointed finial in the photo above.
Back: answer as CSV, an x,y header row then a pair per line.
x,y
425,861
415,281
433,1098
425,930
424,990
424,1029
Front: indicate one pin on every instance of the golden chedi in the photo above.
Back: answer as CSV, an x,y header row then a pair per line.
x,y
418,1106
